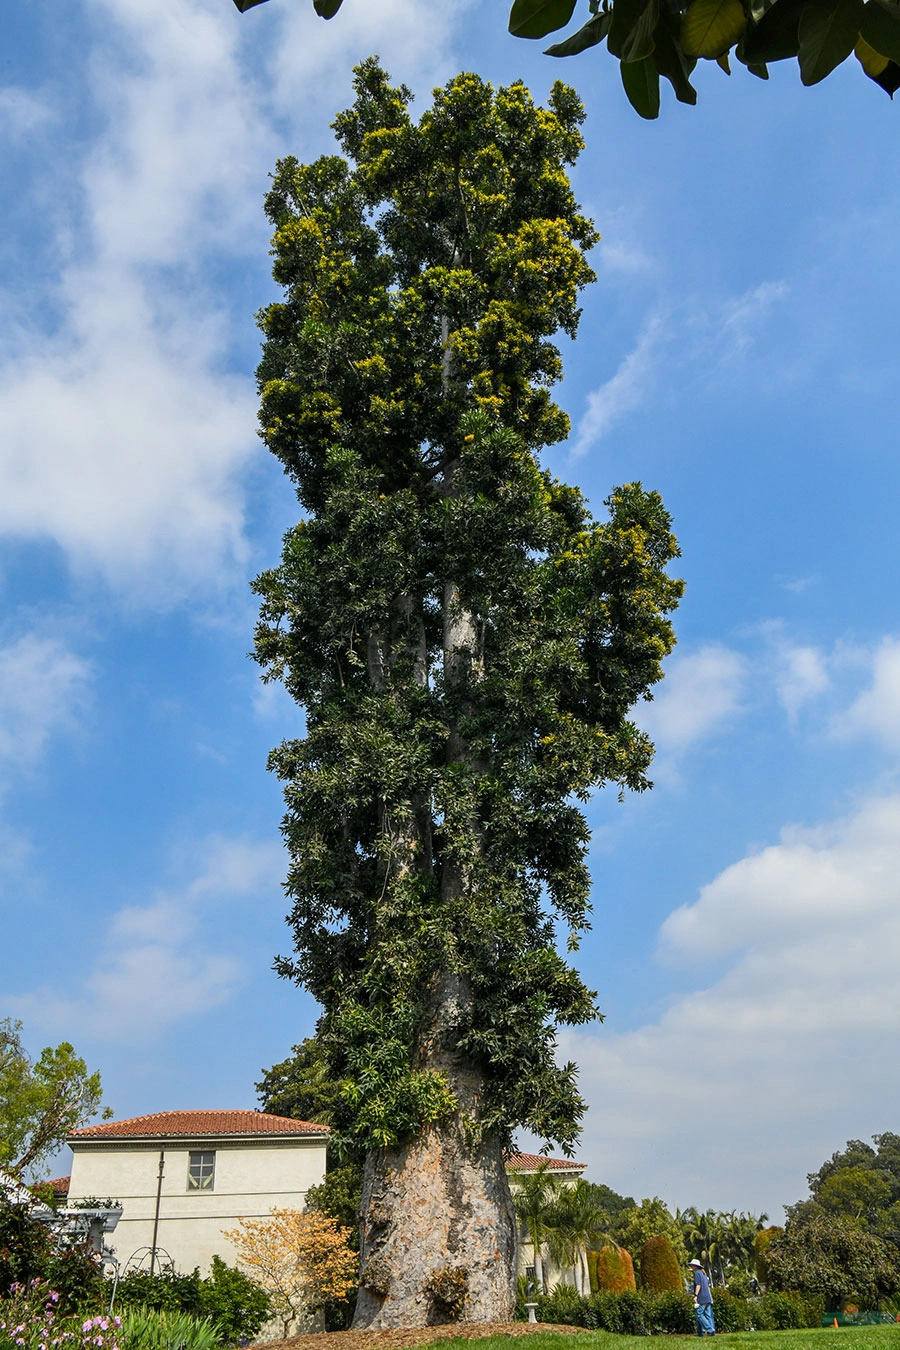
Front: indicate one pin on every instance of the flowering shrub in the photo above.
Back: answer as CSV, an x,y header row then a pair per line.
x,y
30,1320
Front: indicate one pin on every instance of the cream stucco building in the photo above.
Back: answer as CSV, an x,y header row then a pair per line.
x,y
184,1176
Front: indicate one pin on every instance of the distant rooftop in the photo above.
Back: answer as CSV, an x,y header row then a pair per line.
x,y
530,1162
195,1124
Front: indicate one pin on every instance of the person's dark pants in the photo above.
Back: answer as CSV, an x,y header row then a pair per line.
x,y
705,1324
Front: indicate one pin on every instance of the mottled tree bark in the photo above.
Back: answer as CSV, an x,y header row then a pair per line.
x,y
438,1231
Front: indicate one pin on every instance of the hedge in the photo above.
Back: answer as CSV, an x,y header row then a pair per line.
x,y
641,1312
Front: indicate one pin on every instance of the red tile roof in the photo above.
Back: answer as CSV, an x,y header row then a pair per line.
x,y
182,1124
60,1185
530,1162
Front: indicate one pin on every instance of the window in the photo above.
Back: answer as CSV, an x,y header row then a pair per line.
x,y
201,1171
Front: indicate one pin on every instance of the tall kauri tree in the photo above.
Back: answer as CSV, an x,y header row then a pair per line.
x,y
466,641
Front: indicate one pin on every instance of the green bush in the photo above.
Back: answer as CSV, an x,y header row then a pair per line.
x,y
672,1313
641,1312
788,1311
30,1251
660,1270
227,1297
564,1305
732,1313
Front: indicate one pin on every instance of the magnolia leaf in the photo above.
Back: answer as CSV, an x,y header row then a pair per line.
x,y
872,62
631,30
671,62
641,83
828,33
711,27
880,28
537,18
759,69
244,5
885,73
775,37
326,9
724,63
594,31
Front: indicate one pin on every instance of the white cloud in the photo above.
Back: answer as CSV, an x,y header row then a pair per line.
x,y
124,439
21,112
162,961
802,675
42,688
694,343
876,712
624,391
742,318
700,692
743,1086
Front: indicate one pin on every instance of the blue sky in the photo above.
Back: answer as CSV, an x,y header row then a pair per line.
x,y
739,352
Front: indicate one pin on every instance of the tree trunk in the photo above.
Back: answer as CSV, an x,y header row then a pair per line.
x,y
438,1231
438,1237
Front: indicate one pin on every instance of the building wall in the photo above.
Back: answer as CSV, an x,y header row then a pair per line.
x,y
251,1177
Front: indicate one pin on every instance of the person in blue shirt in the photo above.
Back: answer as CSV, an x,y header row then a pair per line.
x,y
703,1303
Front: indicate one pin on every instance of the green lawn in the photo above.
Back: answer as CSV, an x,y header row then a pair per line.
x,y
840,1338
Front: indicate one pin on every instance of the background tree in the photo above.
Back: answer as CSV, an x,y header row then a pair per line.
x,y
836,1258
41,1100
858,1182
466,641
301,1258
301,1086
650,39
651,1218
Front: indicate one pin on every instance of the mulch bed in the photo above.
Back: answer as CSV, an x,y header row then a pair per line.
x,y
388,1340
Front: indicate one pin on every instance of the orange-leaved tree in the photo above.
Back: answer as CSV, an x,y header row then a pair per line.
x,y
301,1257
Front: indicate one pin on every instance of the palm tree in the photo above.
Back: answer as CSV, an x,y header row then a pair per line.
x,y
533,1199
576,1224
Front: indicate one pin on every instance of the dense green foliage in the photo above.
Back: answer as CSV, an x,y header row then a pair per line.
x,y
465,638
300,1086
227,1298
30,1251
611,1269
642,1312
833,1257
651,39
155,1329
659,1266
725,1243
41,1100
861,1183
651,1218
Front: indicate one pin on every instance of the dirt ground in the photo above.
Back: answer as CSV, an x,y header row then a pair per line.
x,y
399,1340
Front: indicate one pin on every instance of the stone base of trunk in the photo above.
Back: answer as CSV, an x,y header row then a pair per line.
x,y
438,1238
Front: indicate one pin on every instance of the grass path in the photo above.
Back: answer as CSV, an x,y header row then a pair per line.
x,y
543,1337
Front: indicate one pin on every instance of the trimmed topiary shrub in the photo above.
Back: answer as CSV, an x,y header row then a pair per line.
x,y
660,1270
611,1269
761,1244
